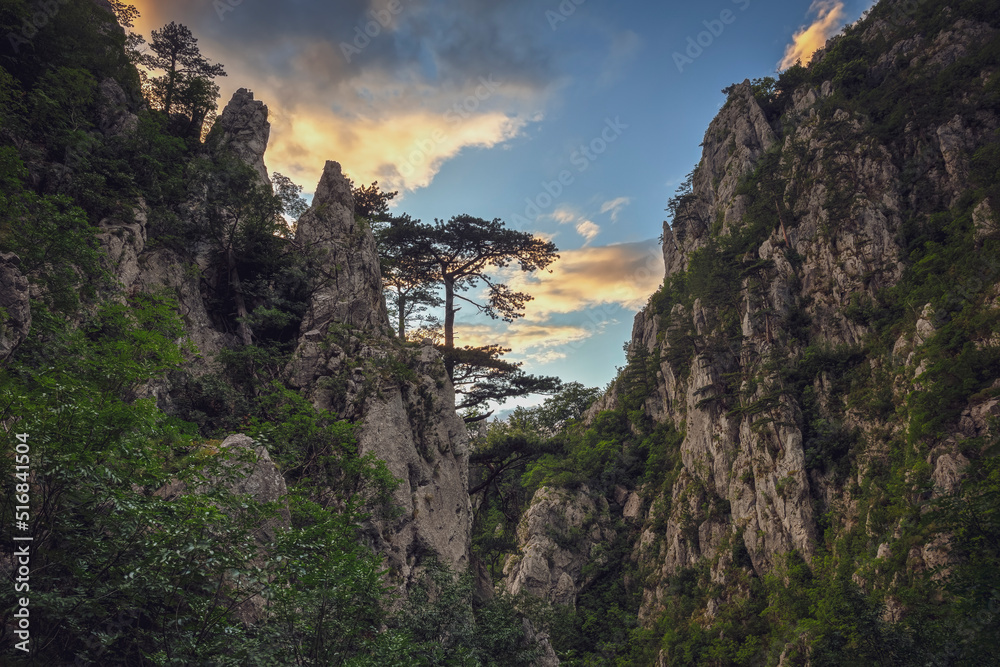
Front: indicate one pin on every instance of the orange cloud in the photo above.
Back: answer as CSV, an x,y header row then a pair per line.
x,y
384,126
829,19
593,282
622,275
523,337
404,151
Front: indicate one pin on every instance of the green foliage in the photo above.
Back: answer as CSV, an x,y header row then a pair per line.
x,y
597,630
320,452
458,255
499,461
480,376
186,84
443,626
166,579
50,235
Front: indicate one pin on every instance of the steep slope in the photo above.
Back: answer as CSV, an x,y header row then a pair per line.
x,y
821,364
234,459
347,361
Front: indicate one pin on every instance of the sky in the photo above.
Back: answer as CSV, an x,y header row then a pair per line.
x,y
575,120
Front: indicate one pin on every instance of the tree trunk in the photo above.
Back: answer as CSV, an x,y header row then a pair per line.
x,y
449,323
171,82
401,305
241,307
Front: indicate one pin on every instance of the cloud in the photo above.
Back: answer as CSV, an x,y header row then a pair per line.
x,y
830,17
615,207
614,276
585,292
393,106
522,336
565,215
537,344
404,154
588,230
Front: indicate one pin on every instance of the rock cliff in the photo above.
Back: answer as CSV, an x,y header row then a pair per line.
x,y
345,358
347,362
796,341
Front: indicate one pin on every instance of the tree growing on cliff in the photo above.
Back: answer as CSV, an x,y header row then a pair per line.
x,y
187,83
455,257
256,265
409,286
460,252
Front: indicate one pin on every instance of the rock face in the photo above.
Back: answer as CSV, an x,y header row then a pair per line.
x,y
249,471
557,535
352,292
114,116
414,428
735,139
243,128
345,359
401,396
830,238
258,477
15,305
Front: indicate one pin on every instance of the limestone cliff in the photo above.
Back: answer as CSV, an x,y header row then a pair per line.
x,y
778,347
345,358
347,362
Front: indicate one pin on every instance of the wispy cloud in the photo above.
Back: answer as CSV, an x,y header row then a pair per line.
x,y
618,275
615,207
589,285
411,98
525,339
586,228
830,17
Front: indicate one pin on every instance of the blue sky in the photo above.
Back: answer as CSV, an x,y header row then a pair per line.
x,y
575,120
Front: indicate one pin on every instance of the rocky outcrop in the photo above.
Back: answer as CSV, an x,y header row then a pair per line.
x,y
123,242
15,304
832,234
733,143
557,535
113,114
411,424
348,363
351,293
246,470
243,128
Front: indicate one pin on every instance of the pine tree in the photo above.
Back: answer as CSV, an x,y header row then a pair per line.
x,y
186,84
